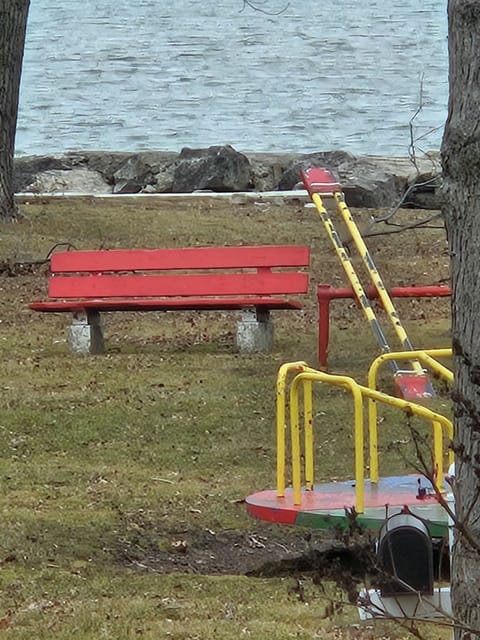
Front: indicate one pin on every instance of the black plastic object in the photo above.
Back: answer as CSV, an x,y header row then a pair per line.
x,y
405,555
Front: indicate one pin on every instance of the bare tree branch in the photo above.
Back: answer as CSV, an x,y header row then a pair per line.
x,y
411,147
415,185
403,200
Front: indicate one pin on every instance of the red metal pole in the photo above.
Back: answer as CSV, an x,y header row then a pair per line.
x,y
326,293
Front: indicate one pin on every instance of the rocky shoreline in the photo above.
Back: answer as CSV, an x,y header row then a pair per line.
x,y
368,181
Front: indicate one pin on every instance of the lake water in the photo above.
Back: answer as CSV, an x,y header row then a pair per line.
x,y
152,74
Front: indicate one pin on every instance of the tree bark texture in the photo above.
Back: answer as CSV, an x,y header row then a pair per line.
x,y
461,166
13,24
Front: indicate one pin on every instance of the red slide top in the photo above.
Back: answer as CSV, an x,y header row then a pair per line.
x,y
318,180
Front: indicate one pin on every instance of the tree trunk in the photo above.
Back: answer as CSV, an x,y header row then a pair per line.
x,y
13,24
461,165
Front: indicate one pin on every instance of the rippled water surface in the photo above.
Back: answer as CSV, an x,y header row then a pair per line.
x,y
157,74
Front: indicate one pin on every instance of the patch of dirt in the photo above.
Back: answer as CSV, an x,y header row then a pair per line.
x,y
264,551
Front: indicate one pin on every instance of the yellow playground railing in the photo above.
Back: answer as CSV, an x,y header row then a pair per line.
x,y
428,359
303,380
283,372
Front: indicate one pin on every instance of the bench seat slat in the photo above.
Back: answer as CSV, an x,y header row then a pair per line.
x,y
125,285
184,258
168,304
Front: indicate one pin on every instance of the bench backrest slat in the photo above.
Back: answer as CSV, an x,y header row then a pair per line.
x,y
180,259
126,285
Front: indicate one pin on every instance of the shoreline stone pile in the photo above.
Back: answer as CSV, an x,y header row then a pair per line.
x,y
367,181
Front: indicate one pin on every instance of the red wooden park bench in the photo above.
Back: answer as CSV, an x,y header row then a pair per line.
x,y
254,280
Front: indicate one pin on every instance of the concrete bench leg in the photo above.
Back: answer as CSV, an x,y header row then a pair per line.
x,y
86,336
255,331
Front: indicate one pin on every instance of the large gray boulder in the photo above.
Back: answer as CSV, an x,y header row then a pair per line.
x,y
27,168
383,182
218,168
368,184
78,180
267,169
132,176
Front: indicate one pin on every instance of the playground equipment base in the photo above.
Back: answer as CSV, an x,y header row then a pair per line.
x,y
333,504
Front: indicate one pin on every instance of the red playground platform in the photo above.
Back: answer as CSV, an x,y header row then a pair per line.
x,y
333,504
367,500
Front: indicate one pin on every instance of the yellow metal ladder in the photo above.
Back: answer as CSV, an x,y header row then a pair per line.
x,y
318,182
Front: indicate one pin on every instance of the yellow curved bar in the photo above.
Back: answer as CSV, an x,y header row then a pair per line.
x,y
427,357
280,416
308,431
423,412
355,390
439,424
437,453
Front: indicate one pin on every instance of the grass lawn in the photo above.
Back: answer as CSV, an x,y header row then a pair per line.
x,y
122,476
